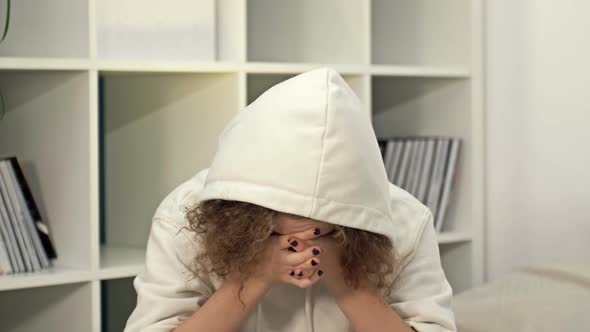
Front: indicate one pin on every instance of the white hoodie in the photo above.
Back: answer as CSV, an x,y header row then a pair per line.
x,y
305,147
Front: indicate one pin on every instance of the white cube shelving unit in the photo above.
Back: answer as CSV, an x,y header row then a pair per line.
x,y
103,140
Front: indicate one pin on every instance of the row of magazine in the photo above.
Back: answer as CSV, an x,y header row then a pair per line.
x,y
25,244
425,167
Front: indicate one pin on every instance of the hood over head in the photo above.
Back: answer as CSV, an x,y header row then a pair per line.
x,y
307,147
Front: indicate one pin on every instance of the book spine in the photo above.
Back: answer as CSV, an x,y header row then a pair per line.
x,y
426,170
436,183
388,156
408,145
448,180
5,263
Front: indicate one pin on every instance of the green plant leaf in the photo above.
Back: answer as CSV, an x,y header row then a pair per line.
x,y
7,23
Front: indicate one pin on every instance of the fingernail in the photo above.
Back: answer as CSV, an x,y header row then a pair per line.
x,y
316,251
292,273
314,263
320,272
291,249
294,243
316,231
300,274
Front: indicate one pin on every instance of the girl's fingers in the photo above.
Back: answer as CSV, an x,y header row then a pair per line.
x,y
301,273
295,244
287,239
306,282
298,258
312,263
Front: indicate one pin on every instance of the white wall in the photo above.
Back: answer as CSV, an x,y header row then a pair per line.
x,y
538,133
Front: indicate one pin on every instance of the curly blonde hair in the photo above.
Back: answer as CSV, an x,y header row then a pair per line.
x,y
232,234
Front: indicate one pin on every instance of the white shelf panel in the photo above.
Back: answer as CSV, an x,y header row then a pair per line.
x,y
44,63
120,262
453,237
166,66
114,263
420,71
49,277
12,63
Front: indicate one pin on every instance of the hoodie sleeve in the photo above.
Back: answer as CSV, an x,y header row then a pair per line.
x,y
421,294
166,293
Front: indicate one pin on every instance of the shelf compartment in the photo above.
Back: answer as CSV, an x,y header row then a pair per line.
x,y
420,32
157,131
307,31
47,126
119,262
55,308
118,299
150,29
57,28
457,261
418,106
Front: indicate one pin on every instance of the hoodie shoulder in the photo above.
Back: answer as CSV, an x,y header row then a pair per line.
x,y
410,217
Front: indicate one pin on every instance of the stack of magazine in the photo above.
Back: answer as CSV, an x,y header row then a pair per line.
x,y
25,244
425,167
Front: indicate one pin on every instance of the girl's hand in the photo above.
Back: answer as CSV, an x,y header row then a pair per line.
x,y
287,259
332,275
331,269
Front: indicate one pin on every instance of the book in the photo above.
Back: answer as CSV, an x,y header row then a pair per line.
x,y
449,175
411,165
388,156
394,159
426,170
437,176
5,261
413,186
403,168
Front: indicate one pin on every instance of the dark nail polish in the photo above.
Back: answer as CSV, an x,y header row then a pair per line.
x,y
292,273
316,231
300,274
291,249
313,262
294,243
316,251
320,272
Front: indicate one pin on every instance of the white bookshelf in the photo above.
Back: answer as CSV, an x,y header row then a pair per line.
x,y
135,128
